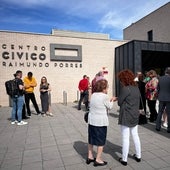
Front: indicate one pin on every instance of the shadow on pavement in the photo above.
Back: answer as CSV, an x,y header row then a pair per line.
x,y
110,148
81,148
151,126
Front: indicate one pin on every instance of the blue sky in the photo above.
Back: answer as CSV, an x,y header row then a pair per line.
x,y
99,16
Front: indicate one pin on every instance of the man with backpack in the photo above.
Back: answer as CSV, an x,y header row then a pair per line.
x,y
18,100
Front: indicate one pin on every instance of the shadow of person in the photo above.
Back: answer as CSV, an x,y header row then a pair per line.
x,y
109,148
113,149
81,148
151,126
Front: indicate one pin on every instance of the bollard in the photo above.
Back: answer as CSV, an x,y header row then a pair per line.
x,y
78,95
64,97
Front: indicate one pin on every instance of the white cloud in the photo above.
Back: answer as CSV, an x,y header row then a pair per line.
x,y
132,12
112,20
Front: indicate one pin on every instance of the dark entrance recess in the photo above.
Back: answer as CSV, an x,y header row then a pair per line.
x,y
141,56
157,60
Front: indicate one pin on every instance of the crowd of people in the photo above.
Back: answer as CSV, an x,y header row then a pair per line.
x,y
136,92
136,95
21,102
154,89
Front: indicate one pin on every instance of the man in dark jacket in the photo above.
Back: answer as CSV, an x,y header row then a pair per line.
x,y
164,98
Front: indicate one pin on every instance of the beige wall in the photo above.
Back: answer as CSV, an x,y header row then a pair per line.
x,y
96,53
158,21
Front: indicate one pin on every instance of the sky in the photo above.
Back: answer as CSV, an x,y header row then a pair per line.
x,y
96,16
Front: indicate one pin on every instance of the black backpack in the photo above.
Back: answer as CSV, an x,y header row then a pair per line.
x,y
12,88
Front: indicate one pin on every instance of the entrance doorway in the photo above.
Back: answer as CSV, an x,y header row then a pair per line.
x,y
156,60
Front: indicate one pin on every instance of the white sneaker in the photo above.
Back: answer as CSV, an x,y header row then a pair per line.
x,y
13,122
165,125
50,114
22,123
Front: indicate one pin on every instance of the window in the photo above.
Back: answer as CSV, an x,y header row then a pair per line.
x,y
150,35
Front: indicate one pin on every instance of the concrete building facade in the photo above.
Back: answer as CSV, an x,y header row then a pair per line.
x,y
153,27
63,57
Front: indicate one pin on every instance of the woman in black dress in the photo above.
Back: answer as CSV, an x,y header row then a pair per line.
x,y
44,95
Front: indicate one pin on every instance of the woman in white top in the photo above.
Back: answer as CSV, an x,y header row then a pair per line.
x,y
98,121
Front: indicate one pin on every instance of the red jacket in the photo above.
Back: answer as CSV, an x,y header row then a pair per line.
x,y
83,84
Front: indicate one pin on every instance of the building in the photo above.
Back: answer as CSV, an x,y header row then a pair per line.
x,y
148,46
153,27
63,57
149,41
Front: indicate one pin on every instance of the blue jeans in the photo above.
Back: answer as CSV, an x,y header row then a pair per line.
x,y
17,108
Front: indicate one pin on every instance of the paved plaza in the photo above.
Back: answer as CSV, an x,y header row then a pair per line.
x,y
60,143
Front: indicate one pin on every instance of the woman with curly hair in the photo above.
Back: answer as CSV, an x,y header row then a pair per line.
x,y
129,100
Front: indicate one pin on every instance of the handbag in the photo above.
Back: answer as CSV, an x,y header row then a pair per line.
x,y
86,117
142,119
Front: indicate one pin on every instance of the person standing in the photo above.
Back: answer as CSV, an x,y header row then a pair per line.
x,y
98,121
152,94
83,88
164,99
141,85
129,100
142,106
97,77
93,84
23,109
100,75
18,101
89,89
30,83
45,89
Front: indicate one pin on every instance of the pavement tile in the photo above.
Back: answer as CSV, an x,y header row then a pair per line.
x,y
60,143
14,154
158,163
53,164
160,152
31,159
71,160
50,155
141,166
76,167
12,168
65,147
70,152
167,168
11,162
32,166
148,155
166,159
